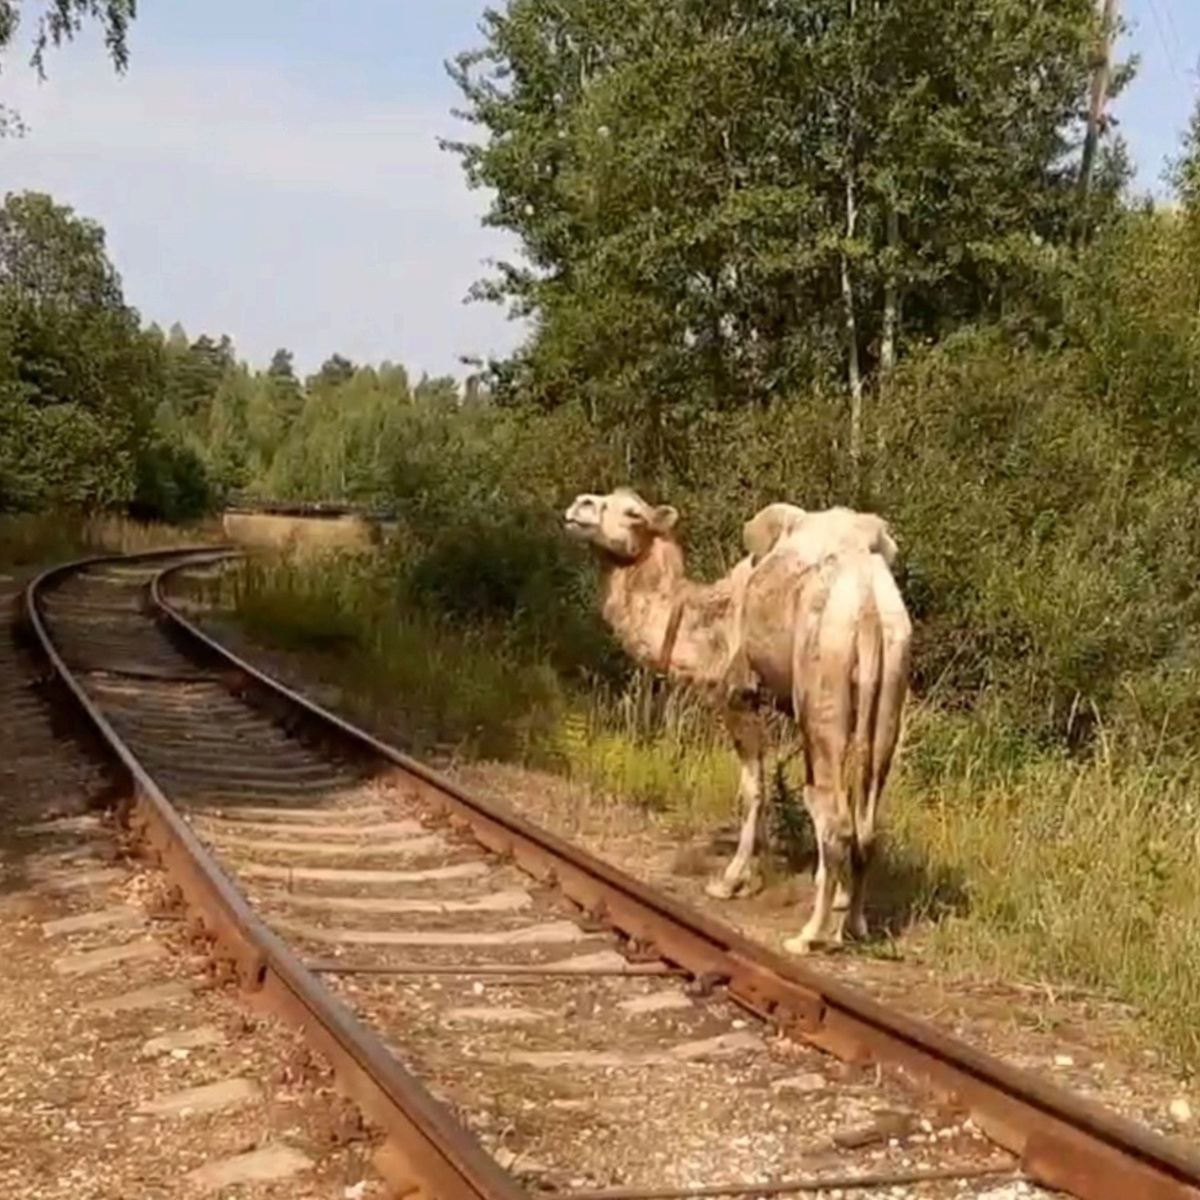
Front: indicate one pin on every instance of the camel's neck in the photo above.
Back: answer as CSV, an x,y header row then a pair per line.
x,y
647,604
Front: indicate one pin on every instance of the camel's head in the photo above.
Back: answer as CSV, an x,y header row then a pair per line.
x,y
620,524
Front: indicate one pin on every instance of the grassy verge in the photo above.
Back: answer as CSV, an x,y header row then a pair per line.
x,y
1007,860
27,539
1079,873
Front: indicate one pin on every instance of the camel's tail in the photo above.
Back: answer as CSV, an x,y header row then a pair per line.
x,y
867,690
893,684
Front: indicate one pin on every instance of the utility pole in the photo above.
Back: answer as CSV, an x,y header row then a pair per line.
x,y
1099,96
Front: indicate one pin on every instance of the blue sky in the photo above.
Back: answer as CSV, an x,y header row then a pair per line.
x,y
269,168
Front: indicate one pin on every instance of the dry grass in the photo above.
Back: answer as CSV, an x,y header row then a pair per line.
x,y
344,614
34,538
271,531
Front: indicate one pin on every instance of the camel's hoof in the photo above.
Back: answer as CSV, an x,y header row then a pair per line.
x,y
800,946
751,886
857,930
721,889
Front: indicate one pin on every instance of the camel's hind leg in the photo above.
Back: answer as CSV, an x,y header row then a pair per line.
x,y
860,869
866,821
828,804
748,733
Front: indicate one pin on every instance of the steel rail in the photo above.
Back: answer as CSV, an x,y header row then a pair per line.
x,y
1062,1140
427,1150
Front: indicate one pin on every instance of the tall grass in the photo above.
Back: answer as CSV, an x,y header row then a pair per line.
x,y
1085,872
399,662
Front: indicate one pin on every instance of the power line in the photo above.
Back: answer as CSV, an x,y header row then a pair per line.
x,y
1162,20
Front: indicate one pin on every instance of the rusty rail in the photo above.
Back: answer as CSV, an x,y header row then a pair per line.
x,y
1062,1140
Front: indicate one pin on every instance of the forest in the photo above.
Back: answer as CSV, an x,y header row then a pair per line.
x,y
857,253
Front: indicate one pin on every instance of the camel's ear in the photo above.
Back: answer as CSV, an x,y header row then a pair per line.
x,y
664,518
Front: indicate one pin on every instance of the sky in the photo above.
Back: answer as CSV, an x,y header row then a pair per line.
x,y
270,169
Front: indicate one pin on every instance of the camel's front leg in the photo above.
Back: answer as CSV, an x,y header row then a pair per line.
x,y
748,734
883,749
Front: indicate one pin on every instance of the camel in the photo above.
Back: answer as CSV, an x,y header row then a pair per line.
x,y
799,619
778,539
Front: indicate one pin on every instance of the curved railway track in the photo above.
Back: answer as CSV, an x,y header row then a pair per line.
x,y
514,1016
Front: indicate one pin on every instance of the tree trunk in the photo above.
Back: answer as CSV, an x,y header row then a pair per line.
x,y
891,297
1099,94
853,367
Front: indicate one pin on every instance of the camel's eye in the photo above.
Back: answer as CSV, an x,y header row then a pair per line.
x,y
635,515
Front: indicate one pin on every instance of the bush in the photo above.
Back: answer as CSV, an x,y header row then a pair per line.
x,y
172,483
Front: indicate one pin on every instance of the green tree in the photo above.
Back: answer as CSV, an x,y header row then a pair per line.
x,y
59,21
438,391
50,258
229,443
1183,171
1183,175
194,371
334,371
81,377
287,395
349,435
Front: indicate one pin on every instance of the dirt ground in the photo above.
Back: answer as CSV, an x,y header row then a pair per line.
x,y
1083,1042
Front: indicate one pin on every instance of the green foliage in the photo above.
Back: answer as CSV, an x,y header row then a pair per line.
x,y
281,403
173,483
335,370
1039,488
95,412
79,375
719,203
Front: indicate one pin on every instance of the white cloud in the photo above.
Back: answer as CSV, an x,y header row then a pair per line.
x,y
248,202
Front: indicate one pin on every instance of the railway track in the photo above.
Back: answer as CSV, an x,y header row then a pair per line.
x,y
513,1016
123,1073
